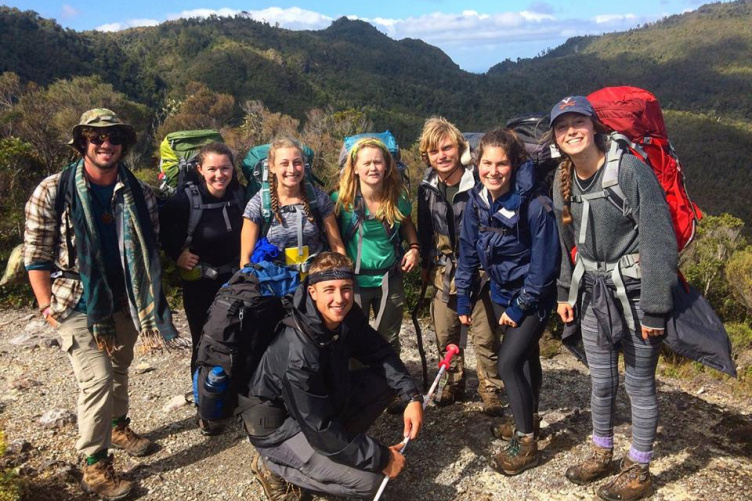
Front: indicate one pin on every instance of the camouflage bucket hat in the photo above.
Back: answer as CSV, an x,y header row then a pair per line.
x,y
102,117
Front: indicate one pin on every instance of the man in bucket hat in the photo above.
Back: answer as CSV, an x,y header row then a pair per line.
x,y
93,262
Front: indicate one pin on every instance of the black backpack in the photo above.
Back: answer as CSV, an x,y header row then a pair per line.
x,y
531,128
241,324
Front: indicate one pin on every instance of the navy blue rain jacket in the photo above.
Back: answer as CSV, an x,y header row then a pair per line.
x,y
516,241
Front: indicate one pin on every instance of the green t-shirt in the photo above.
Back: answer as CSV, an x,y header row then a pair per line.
x,y
377,252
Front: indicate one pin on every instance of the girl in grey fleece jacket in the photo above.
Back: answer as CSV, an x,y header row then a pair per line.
x,y
644,245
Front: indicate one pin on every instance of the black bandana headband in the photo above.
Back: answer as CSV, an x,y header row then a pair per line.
x,y
332,274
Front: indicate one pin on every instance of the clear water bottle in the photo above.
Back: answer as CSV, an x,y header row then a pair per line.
x,y
216,388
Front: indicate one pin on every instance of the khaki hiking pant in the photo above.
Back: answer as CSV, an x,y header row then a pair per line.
x,y
391,320
102,379
485,338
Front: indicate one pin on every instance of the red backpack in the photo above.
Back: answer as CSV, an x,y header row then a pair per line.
x,y
637,121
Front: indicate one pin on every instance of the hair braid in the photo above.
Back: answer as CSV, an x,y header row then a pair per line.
x,y
306,204
274,199
566,168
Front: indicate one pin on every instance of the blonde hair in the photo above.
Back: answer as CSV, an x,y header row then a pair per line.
x,y
435,129
349,186
286,142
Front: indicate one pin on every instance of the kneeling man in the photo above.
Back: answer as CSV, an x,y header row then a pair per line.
x,y
307,412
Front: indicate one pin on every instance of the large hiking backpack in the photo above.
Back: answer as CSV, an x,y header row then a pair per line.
x,y
255,168
531,129
635,116
391,144
241,323
177,157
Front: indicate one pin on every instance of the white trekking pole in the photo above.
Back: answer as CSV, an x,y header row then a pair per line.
x,y
451,351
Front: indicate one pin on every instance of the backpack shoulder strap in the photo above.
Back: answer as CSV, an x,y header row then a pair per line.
x,y
195,212
266,200
63,200
610,182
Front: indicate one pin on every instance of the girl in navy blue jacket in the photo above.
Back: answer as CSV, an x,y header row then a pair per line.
x,y
509,229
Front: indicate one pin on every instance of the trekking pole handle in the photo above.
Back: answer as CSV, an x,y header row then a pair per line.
x,y
451,351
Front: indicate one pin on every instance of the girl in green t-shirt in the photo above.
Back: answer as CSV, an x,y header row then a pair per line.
x,y
374,216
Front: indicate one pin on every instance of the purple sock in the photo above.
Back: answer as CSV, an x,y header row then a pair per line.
x,y
639,456
603,442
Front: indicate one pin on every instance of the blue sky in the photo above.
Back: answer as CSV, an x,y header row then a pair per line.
x,y
475,34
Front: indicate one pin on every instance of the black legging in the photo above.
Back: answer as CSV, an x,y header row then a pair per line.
x,y
197,298
520,367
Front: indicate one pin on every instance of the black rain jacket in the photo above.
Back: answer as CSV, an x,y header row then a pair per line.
x,y
306,371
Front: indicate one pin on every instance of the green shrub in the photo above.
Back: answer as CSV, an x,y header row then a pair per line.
x,y
10,486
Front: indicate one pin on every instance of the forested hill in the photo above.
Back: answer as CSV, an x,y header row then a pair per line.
x,y
700,61
699,64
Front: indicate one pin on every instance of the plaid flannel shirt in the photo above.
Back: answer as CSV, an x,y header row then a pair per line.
x,y
44,248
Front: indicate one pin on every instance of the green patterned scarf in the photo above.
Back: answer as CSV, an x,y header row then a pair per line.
x,y
140,259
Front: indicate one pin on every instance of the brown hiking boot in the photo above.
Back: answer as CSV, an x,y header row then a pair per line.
x,y
521,454
505,429
634,482
491,403
597,465
101,480
123,437
275,487
450,394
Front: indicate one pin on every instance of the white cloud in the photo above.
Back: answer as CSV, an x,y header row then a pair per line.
x,y
68,11
224,12
615,18
293,18
482,38
131,23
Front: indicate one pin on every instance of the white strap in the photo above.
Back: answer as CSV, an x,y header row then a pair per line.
x,y
299,212
384,299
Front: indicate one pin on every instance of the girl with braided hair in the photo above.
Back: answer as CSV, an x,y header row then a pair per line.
x,y
374,215
617,286
294,225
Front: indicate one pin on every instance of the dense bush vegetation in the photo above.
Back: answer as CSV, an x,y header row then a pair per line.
x,y
253,81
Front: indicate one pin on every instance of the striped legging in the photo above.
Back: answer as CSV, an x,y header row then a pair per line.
x,y
640,359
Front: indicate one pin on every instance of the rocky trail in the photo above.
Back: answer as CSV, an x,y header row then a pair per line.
x,y
704,448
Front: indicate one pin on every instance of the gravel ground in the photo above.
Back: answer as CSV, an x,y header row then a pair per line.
x,y
704,447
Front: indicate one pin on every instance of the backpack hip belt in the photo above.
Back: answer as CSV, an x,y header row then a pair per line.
x,y
214,271
626,266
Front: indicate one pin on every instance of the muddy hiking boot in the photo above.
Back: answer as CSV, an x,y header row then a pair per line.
x,y
597,465
101,480
275,487
491,403
123,437
520,454
505,429
450,394
632,483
